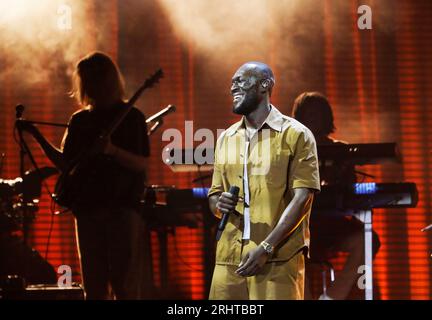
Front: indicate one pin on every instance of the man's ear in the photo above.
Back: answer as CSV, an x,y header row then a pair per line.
x,y
265,83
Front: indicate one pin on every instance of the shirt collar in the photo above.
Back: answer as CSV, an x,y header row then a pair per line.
x,y
274,120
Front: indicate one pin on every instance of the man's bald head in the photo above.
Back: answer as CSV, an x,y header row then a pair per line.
x,y
252,83
260,72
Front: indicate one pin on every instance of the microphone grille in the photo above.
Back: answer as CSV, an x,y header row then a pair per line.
x,y
234,190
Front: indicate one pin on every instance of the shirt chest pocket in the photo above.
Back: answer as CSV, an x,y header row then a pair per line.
x,y
272,167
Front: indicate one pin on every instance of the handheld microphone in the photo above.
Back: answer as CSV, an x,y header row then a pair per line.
x,y
234,190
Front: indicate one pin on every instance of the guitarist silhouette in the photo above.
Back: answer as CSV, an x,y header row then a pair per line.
x,y
103,164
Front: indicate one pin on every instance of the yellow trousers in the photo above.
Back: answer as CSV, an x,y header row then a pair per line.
x,y
275,281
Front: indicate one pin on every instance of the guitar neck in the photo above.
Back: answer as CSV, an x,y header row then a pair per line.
x,y
119,119
147,84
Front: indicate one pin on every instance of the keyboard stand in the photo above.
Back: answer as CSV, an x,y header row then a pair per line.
x,y
366,271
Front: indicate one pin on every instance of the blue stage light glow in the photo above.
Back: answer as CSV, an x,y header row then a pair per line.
x,y
365,188
200,193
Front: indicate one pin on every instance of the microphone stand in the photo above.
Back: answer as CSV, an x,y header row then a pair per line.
x,y
25,150
157,118
427,228
45,123
157,124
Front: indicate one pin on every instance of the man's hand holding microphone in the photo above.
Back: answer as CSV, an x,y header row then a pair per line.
x,y
226,204
255,259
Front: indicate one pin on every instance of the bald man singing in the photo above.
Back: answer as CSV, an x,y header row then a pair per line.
x,y
272,158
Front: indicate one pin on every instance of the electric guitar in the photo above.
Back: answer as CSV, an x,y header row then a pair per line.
x,y
67,188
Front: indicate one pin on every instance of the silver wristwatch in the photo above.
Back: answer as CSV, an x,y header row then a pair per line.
x,y
267,247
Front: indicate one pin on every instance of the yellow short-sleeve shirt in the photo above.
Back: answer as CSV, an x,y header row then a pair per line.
x,y
282,155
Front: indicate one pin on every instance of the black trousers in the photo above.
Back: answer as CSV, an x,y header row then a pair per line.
x,y
114,253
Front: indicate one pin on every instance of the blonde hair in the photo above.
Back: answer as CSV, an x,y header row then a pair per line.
x,y
97,79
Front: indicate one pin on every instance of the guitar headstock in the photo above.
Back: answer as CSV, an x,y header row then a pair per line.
x,y
151,81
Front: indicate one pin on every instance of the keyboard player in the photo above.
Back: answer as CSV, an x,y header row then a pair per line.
x,y
332,233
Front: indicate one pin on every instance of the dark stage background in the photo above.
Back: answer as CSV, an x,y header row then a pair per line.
x,y
378,81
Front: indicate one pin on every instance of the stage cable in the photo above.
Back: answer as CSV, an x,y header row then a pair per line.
x,y
45,187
